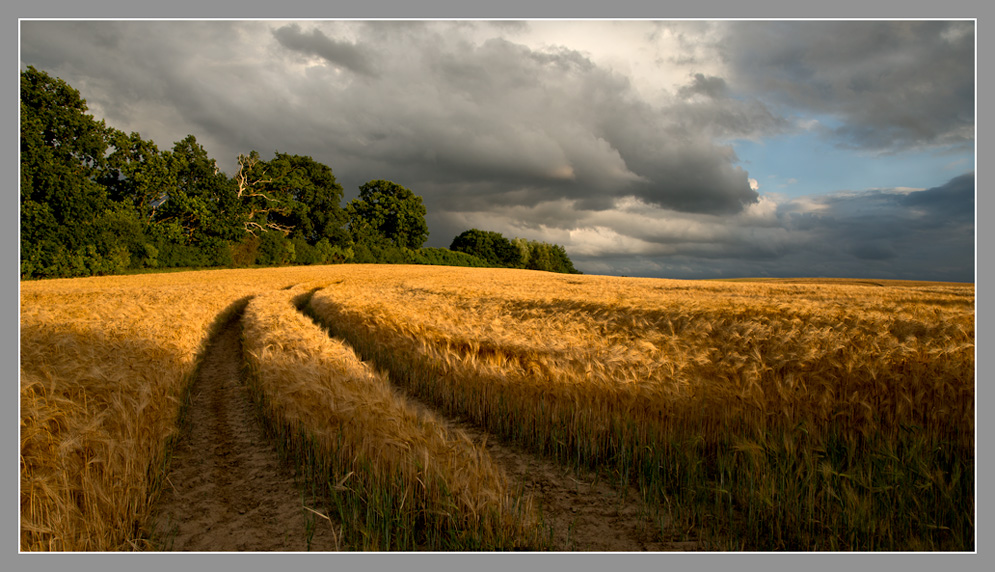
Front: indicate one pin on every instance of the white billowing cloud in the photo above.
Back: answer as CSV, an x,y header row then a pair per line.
x,y
601,240
810,204
764,211
754,184
905,190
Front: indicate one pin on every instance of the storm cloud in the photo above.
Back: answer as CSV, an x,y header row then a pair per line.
x,y
882,233
616,139
316,43
887,86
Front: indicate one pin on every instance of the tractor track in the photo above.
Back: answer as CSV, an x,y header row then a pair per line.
x,y
228,490
584,512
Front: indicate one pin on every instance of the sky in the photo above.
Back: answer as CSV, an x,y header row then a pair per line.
x,y
676,149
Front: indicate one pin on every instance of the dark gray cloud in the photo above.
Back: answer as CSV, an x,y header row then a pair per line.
x,y
887,234
889,85
167,79
952,202
316,43
475,121
499,122
709,86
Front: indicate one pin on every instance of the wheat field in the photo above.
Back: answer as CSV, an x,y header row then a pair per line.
x,y
425,485
753,415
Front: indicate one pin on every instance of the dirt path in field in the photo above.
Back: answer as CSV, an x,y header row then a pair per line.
x,y
227,489
586,512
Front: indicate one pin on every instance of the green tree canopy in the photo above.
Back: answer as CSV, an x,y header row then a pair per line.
x,y
202,199
317,212
63,150
137,173
293,194
548,257
516,253
488,245
386,212
95,200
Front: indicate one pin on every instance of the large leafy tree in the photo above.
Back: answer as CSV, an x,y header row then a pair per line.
x,y
137,173
386,212
293,194
202,199
96,200
548,257
63,153
315,196
488,245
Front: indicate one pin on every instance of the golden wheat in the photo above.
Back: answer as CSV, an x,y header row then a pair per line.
x,y
822,414
769,347
317,387
104,366
636,372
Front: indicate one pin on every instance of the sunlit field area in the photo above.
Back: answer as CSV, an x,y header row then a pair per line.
x,y
411,481
751,415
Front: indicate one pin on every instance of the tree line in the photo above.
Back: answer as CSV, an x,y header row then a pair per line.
x,y
499,251
96,200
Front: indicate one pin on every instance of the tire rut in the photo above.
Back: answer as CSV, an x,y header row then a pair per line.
x,y
584,512
227,488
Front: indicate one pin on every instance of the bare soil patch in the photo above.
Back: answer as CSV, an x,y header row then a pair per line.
x,y
227,488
